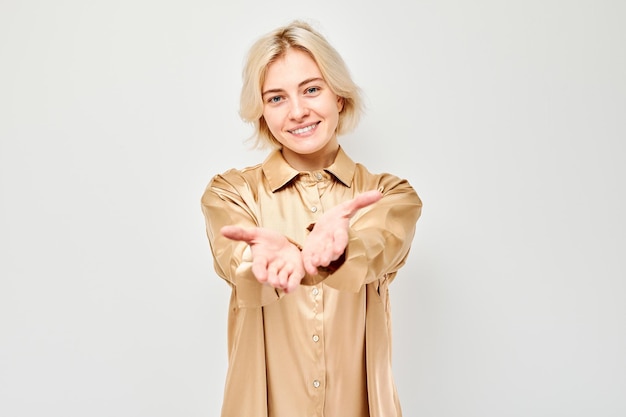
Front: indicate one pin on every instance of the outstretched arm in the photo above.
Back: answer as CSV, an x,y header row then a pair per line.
x,y
275,260
329,237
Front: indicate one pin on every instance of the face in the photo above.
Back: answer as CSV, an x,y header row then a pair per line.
x,y
301,111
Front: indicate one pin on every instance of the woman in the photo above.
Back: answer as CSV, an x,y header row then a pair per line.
x,y
308,241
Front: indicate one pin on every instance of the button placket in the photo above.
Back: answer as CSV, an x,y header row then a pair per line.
x,y
318,376
309,185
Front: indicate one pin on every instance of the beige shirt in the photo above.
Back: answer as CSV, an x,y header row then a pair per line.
x,y
324,350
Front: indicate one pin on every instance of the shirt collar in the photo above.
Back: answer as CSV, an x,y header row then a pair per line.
x,y
278,172
343,168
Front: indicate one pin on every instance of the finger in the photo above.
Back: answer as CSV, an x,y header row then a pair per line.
x,y
238,233
340,242
298,272
363,200
314,259
323,257
272,277
259,268
283,276
294,281
308,266
273,271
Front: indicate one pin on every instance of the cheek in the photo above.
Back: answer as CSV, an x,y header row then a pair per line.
x,y
269,117
337,111
273,121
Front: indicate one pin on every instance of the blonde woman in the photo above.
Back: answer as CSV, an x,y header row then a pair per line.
x,y
308,241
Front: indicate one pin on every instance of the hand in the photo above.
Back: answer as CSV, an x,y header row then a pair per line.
x,y
329,238
275,260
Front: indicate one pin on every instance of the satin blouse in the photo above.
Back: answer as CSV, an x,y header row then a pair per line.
x,y
325,349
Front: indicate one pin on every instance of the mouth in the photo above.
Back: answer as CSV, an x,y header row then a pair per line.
x,y
305,129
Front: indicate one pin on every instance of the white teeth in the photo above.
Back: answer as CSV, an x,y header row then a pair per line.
x,y
302,130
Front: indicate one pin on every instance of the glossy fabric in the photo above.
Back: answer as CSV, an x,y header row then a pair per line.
x,y
324,350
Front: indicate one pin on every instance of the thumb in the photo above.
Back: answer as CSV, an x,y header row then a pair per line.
x,y
238,233
363,200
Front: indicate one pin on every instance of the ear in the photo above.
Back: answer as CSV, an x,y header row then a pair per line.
x,y
340,101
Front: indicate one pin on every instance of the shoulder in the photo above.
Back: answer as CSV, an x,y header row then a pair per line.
x,y
234,181
237,176
363,178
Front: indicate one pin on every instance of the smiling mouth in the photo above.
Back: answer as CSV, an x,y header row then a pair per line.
x,y
303,129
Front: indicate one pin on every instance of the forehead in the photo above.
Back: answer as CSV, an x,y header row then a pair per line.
x,y
290,69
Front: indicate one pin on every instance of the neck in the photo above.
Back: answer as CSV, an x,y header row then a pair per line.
x,y
311,162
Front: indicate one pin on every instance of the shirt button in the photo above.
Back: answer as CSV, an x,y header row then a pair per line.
x,y
316,383
313,209
315,291
316,338
318,176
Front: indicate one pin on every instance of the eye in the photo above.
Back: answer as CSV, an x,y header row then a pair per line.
x,y
312,90
275,99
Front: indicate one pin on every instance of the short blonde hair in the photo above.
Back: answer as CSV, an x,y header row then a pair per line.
x,y
267,49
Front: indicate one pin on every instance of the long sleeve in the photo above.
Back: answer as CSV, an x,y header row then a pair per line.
x,y
224,204
380,236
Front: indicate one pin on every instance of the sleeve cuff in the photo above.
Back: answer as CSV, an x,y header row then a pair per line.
x,y
352,274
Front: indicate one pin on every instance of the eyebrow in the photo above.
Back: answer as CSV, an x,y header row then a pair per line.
x,y
305,82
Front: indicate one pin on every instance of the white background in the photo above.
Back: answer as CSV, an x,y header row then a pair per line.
x,y
508,117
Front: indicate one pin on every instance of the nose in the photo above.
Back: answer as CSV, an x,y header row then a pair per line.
x,y
298,109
